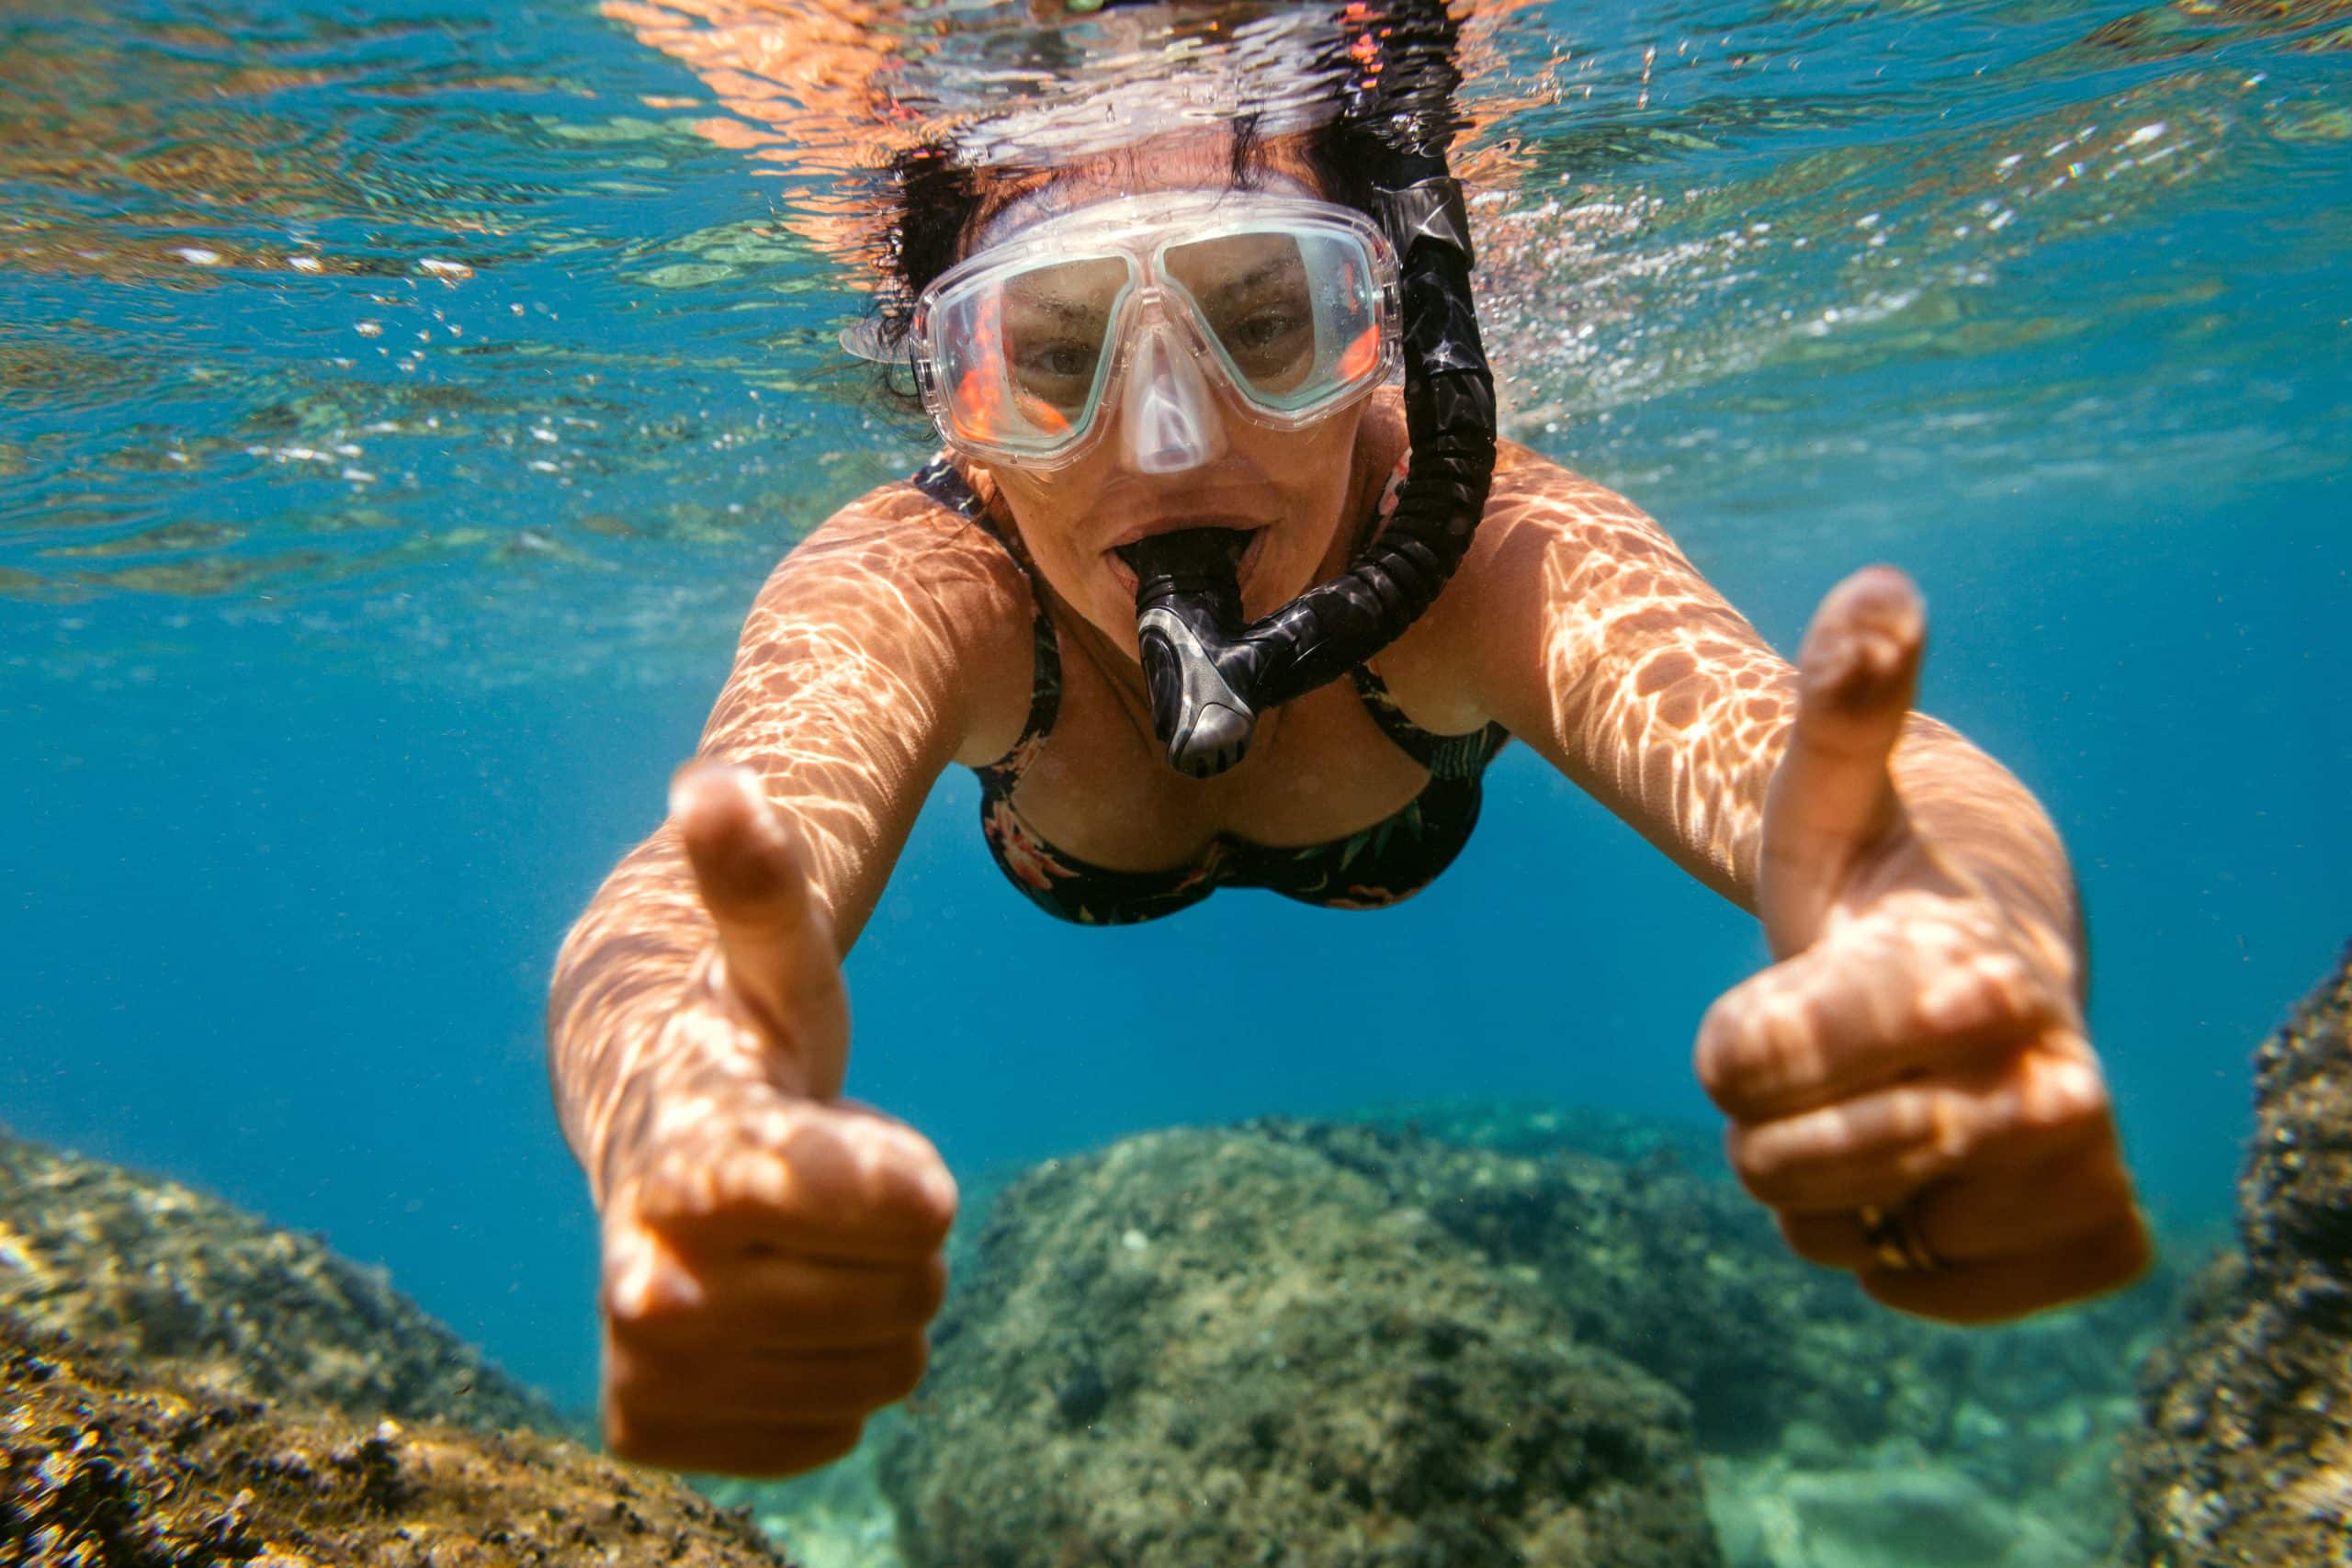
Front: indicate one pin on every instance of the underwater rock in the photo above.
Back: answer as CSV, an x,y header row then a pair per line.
x,y
169,1278
1633,1236
105,1467
2245,1453
1201,1348
1529,1127
1682,1273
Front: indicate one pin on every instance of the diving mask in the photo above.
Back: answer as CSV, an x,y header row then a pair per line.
x,y
1288,304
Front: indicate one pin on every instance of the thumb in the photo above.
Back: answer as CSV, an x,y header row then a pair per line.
x,y
1832,798
778,960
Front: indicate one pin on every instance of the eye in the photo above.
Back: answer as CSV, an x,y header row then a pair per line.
x,y
1263,330
1064,359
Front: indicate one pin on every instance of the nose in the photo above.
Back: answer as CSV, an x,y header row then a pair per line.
x,y
1170,418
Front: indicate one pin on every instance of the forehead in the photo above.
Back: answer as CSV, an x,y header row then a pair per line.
x,y
1208,161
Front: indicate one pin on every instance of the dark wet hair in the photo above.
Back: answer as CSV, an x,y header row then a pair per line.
x,y
934,199
1210,675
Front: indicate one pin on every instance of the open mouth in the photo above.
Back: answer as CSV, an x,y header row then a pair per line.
x,y
1242,547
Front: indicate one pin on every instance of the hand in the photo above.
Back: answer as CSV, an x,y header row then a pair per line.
x,y
1910,1086
771,1254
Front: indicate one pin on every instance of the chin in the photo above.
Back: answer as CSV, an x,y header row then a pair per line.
x,y
1271,590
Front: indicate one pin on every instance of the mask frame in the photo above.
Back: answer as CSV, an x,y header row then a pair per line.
x,y
1153,310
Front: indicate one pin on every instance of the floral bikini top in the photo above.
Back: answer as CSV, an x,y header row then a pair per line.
x,y
1390,861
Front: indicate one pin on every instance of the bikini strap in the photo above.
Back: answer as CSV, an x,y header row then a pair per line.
x,y
1445,756
943,482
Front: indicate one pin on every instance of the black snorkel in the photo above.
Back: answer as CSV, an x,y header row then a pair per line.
x,y
1210,675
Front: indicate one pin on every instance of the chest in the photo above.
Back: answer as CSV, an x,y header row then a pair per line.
x,y
1099,787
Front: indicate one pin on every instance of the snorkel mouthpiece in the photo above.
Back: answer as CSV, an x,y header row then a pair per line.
x,y
1196,668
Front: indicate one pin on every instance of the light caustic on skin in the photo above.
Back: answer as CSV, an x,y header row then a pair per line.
x,y
1923,1034
699,1028
1919,1037
811,711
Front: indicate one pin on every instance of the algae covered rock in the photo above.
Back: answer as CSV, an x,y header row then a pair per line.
x,y
170,1279
2246,1454
102,1466
1104,1295
1222,1346
184,1386
1682,1273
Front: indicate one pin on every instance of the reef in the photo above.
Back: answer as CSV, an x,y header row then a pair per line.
x,y
102,1466
184,1386
1221,1347
1834,1430
2245,1455
169,1278
1680,1272
1206,1345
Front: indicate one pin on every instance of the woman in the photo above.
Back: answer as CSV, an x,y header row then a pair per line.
x,y
1159,368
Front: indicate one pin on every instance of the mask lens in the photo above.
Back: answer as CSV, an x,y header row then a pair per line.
x,y
1294,313
1023,357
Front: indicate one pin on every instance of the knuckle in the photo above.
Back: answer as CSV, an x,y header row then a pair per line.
x,y
921,1291
1764,1159
1741,1052
640,1299
931,1213
2064,1095
634,1314
1945,1127
1979,999
1707,1054
903,1366
1910,1118
2005,980
909,1181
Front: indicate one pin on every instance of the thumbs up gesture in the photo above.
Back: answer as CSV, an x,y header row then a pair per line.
x,y
1910,1086
771,1251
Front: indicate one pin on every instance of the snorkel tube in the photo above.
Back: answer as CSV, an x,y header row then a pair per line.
x,y
1209,675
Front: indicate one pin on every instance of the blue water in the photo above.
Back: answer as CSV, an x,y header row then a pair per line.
x,y
293,811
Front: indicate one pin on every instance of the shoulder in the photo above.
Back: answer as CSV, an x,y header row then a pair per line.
x,y
1552,539
1537,502
896,533
898,588
1557,563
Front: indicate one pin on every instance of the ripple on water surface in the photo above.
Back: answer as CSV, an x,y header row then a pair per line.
x,y
506,337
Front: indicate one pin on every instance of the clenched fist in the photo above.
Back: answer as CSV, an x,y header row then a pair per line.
x,y
771,1252
1910,1086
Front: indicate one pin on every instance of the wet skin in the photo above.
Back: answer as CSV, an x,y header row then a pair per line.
x,y
772,1251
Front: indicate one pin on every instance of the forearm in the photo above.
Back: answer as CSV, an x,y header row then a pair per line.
x,y
1703,804
618,978
1988,828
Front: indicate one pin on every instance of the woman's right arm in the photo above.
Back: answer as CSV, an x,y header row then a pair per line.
x,y
770,1253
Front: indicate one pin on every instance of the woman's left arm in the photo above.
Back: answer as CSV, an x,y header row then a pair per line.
x,y
1909,1084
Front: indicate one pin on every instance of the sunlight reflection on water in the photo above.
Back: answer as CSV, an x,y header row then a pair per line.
x,y
364,323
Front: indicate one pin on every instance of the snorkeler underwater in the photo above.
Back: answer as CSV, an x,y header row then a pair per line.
x,y
1739,1067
